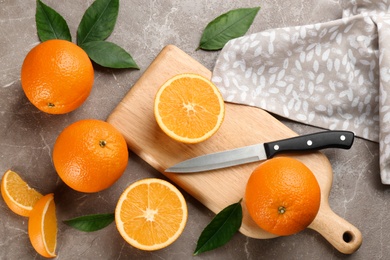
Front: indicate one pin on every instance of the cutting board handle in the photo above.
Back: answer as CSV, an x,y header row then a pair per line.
x,y
340,233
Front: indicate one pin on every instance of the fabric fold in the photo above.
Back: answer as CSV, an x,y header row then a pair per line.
x,y
333,75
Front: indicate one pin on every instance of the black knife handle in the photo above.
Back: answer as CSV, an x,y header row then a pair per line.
x,y
310,142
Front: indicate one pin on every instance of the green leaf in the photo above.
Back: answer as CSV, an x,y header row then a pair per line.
x,y
221,229
50,24
227,26
90,223
108,54
98,21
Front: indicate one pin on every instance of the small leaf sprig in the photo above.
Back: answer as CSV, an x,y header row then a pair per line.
x,y
221,228
50,24
230,25
95,27
91,223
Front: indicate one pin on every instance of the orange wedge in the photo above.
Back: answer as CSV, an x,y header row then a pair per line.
x,y
151,214
42,226
17,194
189,108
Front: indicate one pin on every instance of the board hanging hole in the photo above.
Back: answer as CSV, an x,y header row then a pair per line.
x,y
348,237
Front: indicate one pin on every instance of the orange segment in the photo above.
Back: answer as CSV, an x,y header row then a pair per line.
x,y
17,194
42,226
189,108
151,214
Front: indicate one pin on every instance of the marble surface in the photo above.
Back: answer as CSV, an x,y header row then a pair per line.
x,y
144,28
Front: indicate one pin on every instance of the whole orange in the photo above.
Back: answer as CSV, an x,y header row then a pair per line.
x,y
90,155
57,76
282,196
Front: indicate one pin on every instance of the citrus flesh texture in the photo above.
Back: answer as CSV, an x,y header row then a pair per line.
x,y
189,108
17,194
42,226
151,214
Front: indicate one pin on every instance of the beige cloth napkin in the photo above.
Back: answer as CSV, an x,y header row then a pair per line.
x,y
334,75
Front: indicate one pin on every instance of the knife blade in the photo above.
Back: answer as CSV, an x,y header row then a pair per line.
x,y
263,151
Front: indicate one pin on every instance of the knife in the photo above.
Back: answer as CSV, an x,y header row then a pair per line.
x,y
258,152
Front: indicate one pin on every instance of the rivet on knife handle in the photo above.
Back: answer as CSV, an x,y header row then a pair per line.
x,y
316,141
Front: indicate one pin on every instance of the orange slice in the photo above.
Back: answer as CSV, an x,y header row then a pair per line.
x,y
17,194
189,108
151,214
42,226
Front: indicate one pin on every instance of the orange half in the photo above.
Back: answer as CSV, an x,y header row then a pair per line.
x,y
151,214
189,108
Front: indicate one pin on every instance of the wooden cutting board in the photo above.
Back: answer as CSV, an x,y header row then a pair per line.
x,y
243,125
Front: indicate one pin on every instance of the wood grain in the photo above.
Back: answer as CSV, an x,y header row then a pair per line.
x,y
243,125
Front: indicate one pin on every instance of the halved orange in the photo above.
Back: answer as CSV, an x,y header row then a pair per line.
x,y
42,226
151,214
17,194
189,108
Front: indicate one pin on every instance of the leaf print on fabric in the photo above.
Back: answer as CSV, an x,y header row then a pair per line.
x,y
254,44
285,63
320,78
337,64
254,79
348,28
258,51
286,111
311,46
372,65
239,64
272,79
280,84
244,48
320,107
248,73
311,88
329,110
318,49
316,66
325,55
302,32
298,65
329,65
239,86
323,32
385,74
339,38
281,74
386,118
302,57
347,93
310,55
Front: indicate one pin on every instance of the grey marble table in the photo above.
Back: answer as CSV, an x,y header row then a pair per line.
x,y
143,28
